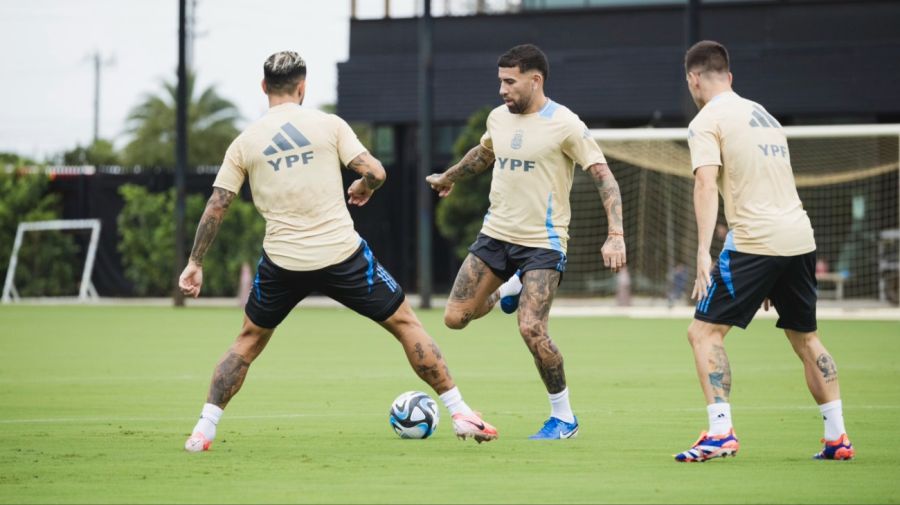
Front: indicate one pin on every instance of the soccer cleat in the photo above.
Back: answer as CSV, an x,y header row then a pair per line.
x,y
510,303
840,449
197,443
472,425
556,429
709,447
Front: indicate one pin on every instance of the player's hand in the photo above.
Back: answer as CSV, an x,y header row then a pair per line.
x,y
359,193
191,279
704,279
613,252
440,184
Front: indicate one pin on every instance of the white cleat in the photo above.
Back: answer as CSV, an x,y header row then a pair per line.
x,y
472,425
197,443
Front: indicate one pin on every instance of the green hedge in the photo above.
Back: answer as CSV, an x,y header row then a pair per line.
x,y
49,263
147,242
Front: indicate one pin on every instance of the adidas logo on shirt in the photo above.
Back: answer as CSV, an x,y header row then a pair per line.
x,y
282,144
761,118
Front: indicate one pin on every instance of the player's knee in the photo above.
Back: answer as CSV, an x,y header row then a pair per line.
x,y
699,335
805,344
403,318
456,319
251,341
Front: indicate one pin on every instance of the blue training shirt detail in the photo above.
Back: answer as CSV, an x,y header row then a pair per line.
x,y
552,236
729,242
549,108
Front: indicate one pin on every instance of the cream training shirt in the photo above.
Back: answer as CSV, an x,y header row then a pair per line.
x,y
293,158
764,213
535,157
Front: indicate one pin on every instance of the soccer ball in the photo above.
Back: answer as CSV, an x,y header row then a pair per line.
x,y
414,415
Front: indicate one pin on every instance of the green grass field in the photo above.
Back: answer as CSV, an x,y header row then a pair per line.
x,y
95,404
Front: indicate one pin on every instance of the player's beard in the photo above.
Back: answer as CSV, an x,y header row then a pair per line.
x,y
518,106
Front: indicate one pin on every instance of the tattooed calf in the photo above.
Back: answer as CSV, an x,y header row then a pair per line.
x,y
827,367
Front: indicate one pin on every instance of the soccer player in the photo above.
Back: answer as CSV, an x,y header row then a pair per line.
x,y
292,157
533,145
769,254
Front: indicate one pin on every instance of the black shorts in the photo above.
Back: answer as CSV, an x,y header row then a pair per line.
x,y
359,283
504,259
741,282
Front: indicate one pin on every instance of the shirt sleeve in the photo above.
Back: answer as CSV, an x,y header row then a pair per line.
x,y
348,144
580,146
233,171
486,141
704,142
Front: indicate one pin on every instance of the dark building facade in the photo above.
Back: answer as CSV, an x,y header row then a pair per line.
x,y
808,61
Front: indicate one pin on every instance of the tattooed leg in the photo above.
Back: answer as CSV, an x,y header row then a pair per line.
x,y
232,368
474,293
421,350
713,368
719,374
538,289
818,366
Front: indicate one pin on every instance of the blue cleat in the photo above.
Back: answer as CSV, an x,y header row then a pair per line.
x,y
509,304
710,446
556,429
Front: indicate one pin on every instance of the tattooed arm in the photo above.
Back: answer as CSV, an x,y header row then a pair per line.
x,y
191,279
476,161
372,176
613,249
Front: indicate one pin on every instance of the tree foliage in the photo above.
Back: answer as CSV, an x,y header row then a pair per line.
x,y
211,128
48,260
460,215
98,153
147,242
13,160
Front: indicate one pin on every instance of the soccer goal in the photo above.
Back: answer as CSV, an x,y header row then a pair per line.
x,y
847,177
86,290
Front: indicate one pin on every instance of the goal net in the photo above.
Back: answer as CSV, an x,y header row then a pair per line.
x,y
42,259
847,178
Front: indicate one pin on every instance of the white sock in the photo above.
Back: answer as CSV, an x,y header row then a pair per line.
x,y
719,418
833,415
511,287
454,402
209,418
559,406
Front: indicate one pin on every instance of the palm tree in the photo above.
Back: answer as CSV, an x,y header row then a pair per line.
x,y
211,128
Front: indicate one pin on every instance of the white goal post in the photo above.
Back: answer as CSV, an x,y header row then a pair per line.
x,y
86,292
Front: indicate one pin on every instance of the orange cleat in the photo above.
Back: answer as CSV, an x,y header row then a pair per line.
x,y
840,449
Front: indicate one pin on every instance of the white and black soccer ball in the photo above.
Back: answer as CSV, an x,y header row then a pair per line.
x,y
414,415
